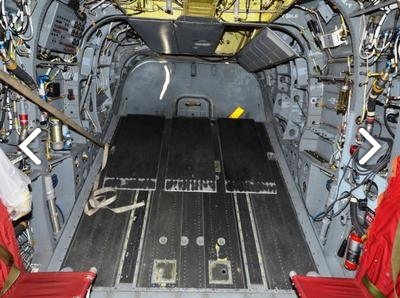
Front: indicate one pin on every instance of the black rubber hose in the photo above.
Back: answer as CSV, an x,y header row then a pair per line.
x,y
298,29
101,22
390,131
279,27
342,249
3,108
388,105
354,218
396,20
25,77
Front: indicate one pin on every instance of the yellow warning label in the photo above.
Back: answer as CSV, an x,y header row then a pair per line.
x,y
237,113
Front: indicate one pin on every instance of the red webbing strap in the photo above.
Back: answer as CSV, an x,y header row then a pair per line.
x,y
378,261
396,260
372,289
14,272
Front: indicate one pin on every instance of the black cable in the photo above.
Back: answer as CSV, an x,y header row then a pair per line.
x,y
301,31
338,198
180,4
3,108
370,174
291,34
225,59
380,127
91,29
360,170
396,20
344,195
360,230
61,213
301,109
375,168
340,210
385,121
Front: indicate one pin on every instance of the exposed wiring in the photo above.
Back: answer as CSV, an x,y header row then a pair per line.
x,y
369,174
61,213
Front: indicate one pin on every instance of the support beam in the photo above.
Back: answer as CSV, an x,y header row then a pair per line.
x,y
32,97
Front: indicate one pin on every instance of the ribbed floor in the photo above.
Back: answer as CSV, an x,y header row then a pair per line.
x,y
217,211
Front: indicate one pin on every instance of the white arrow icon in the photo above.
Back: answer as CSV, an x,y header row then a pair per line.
x,y
24,146
375,146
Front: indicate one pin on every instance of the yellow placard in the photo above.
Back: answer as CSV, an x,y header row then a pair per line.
x,y
237,113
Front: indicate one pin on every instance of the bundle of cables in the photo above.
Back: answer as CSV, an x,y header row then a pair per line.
x,y
369,171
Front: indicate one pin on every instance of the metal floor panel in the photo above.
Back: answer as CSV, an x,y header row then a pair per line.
x,y
193,271
252,255
190,165
98,241
162,241
200,240
130,257
245,163
282,243
133,161
222,240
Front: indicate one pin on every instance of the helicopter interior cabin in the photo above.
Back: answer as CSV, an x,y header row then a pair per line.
x,y
194,148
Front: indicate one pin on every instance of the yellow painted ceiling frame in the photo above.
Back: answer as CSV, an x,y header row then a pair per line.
x,y
235,11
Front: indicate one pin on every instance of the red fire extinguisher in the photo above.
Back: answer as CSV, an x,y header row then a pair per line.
x,y
353,254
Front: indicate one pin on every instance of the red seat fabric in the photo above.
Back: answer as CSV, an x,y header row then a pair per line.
x,y
375,262
7,239
41,284
328,287
51,284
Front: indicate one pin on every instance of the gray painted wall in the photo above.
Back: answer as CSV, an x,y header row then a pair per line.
x,y
225,86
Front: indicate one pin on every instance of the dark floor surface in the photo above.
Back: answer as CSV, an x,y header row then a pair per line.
x,y
217,215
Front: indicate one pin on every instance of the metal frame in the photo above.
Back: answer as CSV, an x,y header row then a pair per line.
x,y
125,290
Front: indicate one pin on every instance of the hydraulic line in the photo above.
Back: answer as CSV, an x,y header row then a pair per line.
x,y
51,203
9,113
301,31
6,111
15,117
376,89
3,107
23,121
91,29
326,222
15,69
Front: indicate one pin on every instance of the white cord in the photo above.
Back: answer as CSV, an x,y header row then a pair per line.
x,y
364,37
28,12
386,36
396,54
97,5
4,18
166,82
9,114
365,94
378,29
